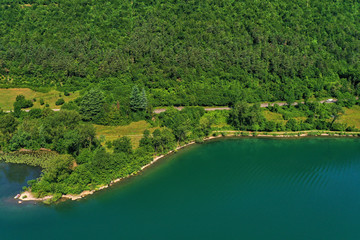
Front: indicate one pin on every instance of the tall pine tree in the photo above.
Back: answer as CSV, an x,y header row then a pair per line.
x,y
92,105
138,100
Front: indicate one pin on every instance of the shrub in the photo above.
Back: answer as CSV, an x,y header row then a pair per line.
x,y
22,102
35,113
41,101
60,101
109,144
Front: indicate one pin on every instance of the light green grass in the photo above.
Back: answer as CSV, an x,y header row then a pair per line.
x,y
8,97
271,116
351,117
134,131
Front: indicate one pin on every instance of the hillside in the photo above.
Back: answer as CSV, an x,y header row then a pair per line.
x,y
184,53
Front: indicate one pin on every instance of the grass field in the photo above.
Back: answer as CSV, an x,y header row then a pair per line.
x,y
134,130
351,116
8,96
271,116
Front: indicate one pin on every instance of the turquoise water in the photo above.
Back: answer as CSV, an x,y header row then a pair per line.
x,y
232,189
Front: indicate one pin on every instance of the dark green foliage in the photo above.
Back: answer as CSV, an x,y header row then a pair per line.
x,y
146,140
163,140
346,99
70,106
61,131
35,113
194,53
270,126
8,124
319,116
183,123
138,99
292,125
246,117
92,105
22,102
109,144
59,102
122,145
85,156
17,109
41,101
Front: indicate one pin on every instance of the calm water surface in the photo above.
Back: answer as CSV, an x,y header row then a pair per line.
x,y
232,189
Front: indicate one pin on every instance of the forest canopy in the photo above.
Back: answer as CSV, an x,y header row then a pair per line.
x,y
183,52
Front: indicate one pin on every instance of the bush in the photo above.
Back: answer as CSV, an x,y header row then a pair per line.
x,y
35,113
66,93
47,105
22,102
41,101
59,102
122,144
109,144
70,106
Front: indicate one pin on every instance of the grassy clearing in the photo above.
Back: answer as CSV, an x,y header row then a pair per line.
x,y
134,130
351,116
8,96
276,117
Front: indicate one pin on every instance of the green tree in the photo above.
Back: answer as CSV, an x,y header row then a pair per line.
x,y
246,117
122,144
336,112
92,105
8,124
59,102
138,99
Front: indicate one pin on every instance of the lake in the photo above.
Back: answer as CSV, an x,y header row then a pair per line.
x,y
247,188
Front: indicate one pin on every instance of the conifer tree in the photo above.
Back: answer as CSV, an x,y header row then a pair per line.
x,y
92,105
138,100
143,100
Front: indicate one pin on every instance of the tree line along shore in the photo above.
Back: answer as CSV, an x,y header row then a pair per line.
x,y
75,159
28,195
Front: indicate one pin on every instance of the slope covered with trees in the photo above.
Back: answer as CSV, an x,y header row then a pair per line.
x,y
183,52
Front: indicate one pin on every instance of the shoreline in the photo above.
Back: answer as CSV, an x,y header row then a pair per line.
x,y
28,196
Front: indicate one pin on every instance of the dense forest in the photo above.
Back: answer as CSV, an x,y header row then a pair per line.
x,y
183,52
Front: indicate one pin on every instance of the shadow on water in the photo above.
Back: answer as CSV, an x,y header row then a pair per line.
x,y
14,176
